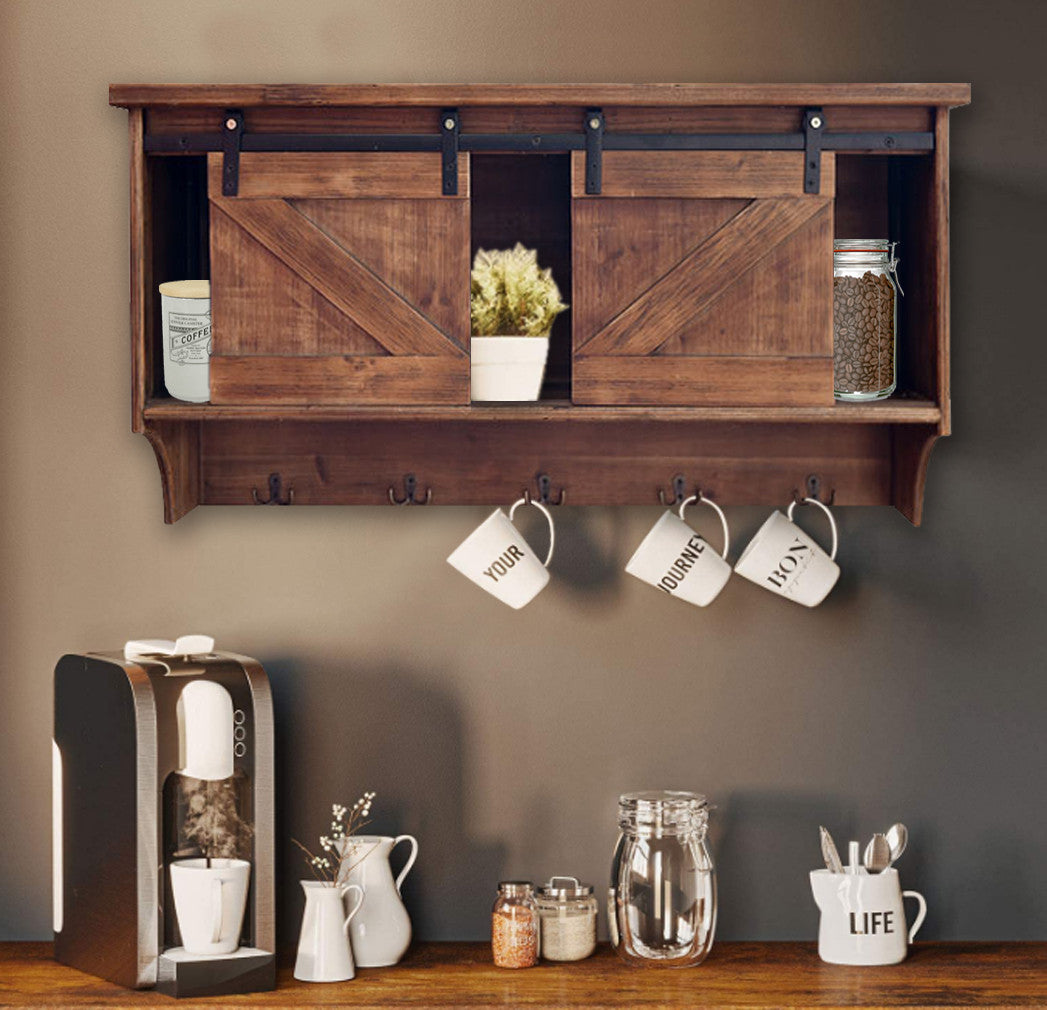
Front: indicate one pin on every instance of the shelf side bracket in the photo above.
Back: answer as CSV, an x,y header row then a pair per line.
x,y
813,128
450,127
232,135
594,125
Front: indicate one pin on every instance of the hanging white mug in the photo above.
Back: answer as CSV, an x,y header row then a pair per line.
x,y
863,919
785,560
324,950
497,558
680,562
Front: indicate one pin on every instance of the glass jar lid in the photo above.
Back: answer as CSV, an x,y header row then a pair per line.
x,y
857,245
564,888
663,810
516,888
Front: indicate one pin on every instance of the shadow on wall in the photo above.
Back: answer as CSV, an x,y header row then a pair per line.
x,y
340,732
764,845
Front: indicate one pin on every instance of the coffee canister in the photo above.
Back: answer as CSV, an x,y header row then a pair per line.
x,y
185,309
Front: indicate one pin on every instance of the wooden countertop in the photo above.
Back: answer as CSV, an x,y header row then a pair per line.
x,y
735,975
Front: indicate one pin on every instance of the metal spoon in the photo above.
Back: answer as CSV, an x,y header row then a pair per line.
x,y
897,839
829,853
877,854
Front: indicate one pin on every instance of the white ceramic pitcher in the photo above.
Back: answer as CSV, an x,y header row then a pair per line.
x,y
324,954
863,921
381,933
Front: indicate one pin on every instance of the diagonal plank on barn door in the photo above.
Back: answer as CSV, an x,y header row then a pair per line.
x,y
339,277
666,307
263,307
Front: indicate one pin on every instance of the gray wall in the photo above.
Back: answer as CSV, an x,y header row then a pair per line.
x,y
501,739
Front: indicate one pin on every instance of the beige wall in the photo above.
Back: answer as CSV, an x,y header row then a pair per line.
x,y
502,738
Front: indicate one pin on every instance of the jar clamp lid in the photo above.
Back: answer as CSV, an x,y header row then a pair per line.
x,y
552,889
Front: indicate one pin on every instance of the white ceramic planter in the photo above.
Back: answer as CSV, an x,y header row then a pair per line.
x,y
508,368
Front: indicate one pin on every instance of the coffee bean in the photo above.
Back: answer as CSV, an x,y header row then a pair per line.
x,y
863,333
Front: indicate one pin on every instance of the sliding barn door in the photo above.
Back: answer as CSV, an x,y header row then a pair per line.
x,y
702,278
339,278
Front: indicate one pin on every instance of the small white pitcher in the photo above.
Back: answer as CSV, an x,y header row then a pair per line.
x,y
324,953
381,934
863,921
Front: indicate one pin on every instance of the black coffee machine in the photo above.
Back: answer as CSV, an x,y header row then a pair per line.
x,y
163,767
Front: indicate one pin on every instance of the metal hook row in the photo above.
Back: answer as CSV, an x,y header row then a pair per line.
x,y
812,486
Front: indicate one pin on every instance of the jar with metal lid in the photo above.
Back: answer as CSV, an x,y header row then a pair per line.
x,y
567,911
514,925
865,318
663,887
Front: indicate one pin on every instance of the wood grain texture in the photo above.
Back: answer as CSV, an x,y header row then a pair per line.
x,y
329,268
401,175
142,347
910,457
675,298
898,409
611,237
701,174
239,95
338,379
167,120
598,463
176,445
420,249
755,975
723,380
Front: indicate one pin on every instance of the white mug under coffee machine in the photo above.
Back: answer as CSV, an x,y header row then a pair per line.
x,y
146,740
863,918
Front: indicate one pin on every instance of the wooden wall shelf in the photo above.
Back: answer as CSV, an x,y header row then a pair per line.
x,y
755,975
699,338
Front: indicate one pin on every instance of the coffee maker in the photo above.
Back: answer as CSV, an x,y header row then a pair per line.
x,y
163,767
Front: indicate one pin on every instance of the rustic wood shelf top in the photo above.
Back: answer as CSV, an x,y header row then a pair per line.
x,y
736,974
241,95
913,410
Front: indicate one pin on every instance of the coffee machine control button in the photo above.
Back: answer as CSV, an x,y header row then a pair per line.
x,y
239,732
240,748
239,717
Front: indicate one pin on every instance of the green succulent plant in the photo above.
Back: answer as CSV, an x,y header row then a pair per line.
x,y
511,296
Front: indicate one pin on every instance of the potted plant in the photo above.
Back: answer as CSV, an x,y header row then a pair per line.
x,y
210,890
512,306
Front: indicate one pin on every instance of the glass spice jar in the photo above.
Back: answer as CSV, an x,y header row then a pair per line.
x,y
663,888
514,925
865,318
567,913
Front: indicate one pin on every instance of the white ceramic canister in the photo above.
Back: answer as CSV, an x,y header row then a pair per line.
x,y
185,309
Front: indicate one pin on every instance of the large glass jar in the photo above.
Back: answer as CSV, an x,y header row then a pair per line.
x,y
663,887
514,925
865,318
567,911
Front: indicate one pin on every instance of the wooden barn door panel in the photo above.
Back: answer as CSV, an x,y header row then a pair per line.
x,y
704,278
339,278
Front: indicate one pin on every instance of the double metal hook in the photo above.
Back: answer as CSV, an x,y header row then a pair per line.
x,y
679,492
544,496
410,487
276,495
813,489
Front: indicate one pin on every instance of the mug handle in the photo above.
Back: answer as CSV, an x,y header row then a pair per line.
x,y
356,908
920,916
699,497
410,859
548,518
829,515
216,911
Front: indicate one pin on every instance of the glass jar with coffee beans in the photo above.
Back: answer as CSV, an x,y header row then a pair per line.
x,y
514,925
865,318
